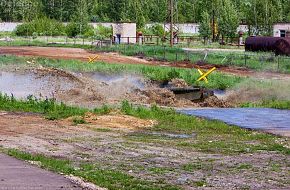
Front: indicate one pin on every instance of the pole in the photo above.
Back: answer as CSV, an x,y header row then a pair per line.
x,y
171,22
213,25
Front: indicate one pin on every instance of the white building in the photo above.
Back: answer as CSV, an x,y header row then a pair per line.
x,y
8,26
125,32
281,30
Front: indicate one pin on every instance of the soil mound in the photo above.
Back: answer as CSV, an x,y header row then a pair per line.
x,y
116,121
214,101
179,83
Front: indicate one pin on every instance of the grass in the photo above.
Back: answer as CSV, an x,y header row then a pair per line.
x,y
211,136
111,179
276,104
157,73
49,108
262,61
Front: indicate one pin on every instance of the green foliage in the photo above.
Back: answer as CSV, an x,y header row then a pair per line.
x,y
144,11
41,26
205,29
103,32
75,29
156,30
228,20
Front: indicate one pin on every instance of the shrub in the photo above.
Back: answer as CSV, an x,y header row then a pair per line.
x,y
156,30
104,32
74,29
44,26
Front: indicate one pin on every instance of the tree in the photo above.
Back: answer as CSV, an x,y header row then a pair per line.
x,y
205,29
228,20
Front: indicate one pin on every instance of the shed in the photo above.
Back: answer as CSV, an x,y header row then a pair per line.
x,y
282,30
124,33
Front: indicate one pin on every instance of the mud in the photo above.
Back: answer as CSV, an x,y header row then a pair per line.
x,y
94,89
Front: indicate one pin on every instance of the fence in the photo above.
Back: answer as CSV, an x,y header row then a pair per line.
x,y
255,61
152,48
180,41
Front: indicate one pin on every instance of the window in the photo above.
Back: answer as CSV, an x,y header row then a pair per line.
x,y
283,33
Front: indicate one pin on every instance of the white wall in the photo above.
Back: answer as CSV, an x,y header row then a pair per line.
x,y
280,26
8,26
125,30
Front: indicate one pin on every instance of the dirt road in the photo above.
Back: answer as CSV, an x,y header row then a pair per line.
x,y
81,54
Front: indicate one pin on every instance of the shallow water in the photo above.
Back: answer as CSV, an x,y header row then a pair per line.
x,y
26,84
250,118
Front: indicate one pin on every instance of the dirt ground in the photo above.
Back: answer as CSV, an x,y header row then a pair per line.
x,y
81,54
110,141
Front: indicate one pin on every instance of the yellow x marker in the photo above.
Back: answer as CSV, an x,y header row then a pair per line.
x,y
92,59
204,75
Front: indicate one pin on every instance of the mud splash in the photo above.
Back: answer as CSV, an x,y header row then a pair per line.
x,y
95,89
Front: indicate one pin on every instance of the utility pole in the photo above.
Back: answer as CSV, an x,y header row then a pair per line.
x,y
172,19
171,22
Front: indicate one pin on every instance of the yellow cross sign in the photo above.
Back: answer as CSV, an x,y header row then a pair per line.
x,y
92,59
204,75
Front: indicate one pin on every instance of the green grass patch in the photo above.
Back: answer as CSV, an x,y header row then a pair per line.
x,y
111,179
211,136
51,109
277,104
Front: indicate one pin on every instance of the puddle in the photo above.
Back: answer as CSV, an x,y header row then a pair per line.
x,y
171,135
250,118
25,84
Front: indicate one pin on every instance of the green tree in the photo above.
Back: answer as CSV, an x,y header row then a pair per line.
x,y
205,29
228,20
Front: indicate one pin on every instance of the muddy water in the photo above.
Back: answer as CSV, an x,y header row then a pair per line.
x,y
21,85
272,120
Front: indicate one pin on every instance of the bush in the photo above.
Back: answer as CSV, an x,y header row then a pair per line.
x,y
74,29
104,32
156,30
41,26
